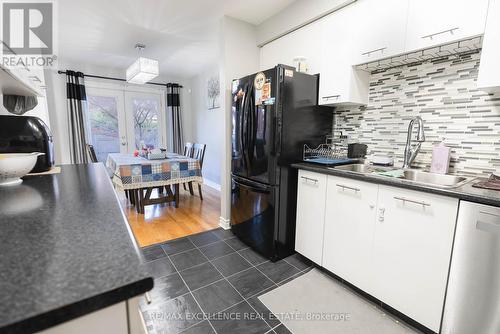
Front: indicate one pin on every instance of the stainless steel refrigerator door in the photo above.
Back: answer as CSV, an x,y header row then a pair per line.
x,y
473,296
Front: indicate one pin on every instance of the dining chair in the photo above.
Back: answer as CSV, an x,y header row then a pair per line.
x,y
188,151
91,153
198,153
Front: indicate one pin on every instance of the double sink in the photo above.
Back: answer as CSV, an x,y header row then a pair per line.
x,y
411,175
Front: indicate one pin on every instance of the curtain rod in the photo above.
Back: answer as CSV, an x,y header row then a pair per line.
x,y
117,79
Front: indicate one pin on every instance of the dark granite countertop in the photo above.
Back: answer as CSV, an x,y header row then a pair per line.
x,y
465,192
65,249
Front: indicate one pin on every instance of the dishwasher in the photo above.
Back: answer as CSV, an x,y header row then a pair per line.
x,y
473,296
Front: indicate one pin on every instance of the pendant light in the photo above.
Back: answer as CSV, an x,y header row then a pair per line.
x,y
143,69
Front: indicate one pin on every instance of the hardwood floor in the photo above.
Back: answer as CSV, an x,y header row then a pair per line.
x,y
163,222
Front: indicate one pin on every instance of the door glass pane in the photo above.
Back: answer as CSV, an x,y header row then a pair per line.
x,y
146,122
103,119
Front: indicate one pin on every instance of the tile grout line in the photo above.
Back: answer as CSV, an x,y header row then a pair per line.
x,y
196,301
195,247
244,299
252,265
225,278
272,329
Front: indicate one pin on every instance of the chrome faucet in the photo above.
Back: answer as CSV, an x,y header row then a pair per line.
x,y
411,152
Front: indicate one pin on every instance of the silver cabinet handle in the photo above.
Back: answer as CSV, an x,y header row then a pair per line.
x,y
369,53
347,187
309,179
148,298
411,201
451,31
331,97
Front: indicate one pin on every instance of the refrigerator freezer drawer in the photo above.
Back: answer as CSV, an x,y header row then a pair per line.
x,y
253,214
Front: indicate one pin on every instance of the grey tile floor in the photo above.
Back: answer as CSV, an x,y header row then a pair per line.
x,y
209,283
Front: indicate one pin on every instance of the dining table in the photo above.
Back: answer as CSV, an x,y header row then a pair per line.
x,y
139,176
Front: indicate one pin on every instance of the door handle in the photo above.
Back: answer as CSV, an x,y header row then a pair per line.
x,y
309,179
369,53
451,31
347,187
404,200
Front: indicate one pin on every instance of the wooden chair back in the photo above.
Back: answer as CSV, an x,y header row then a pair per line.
x,y
91,153
199,153
188,150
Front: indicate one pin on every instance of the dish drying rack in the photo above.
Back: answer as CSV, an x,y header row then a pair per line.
x,y
332,149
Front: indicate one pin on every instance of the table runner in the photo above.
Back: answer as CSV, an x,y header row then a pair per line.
x,y
130,172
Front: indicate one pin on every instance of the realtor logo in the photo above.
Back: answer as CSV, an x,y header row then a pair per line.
x,y
27,28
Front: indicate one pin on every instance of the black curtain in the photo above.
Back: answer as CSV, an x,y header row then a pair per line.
x,y
174,107
77,105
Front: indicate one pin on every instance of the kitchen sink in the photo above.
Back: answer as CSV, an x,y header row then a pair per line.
x,y
411,175
362,168
434,179
358,168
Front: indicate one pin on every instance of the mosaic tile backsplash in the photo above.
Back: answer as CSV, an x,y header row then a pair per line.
x,y
443,92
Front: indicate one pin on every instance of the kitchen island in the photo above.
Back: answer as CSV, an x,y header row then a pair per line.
x,y
66,250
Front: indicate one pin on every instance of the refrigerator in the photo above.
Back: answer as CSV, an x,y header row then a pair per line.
x,y
274,113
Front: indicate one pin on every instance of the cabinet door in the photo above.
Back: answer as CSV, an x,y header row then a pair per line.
x,y
311,199
489,68
349,228
340,82
412,250
435,22
303,42
383,31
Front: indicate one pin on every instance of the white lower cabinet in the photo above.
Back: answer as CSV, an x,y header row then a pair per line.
x,y
121,318
412,250
349,230
392,243
311,200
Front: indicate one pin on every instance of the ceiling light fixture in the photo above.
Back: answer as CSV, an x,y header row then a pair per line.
x,y
143,69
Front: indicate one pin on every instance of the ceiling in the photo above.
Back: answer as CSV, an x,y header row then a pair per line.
x,y
182,35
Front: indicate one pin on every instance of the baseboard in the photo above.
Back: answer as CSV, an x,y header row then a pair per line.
x,y
224,223
211,184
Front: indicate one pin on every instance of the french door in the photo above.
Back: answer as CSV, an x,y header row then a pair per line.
x,y
121,121
145,120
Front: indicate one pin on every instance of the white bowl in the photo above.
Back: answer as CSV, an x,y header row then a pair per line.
x,y
13,166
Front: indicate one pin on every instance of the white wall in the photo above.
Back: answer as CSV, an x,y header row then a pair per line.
x,y
239,56
207,127
56,103
295,15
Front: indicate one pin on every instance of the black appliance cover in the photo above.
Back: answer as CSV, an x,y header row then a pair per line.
x,y
26,134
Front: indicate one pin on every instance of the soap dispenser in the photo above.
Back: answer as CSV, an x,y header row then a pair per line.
x,y
441,155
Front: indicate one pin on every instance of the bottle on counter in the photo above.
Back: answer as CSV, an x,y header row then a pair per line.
x,y
441,155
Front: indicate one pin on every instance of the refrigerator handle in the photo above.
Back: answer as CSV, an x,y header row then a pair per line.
x,y
251,185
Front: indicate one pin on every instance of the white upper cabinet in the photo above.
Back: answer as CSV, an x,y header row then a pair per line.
x,y
340,82
382,29
436,22
489,67
303,42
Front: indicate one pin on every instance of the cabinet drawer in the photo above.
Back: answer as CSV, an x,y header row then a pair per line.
x,y
311,200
